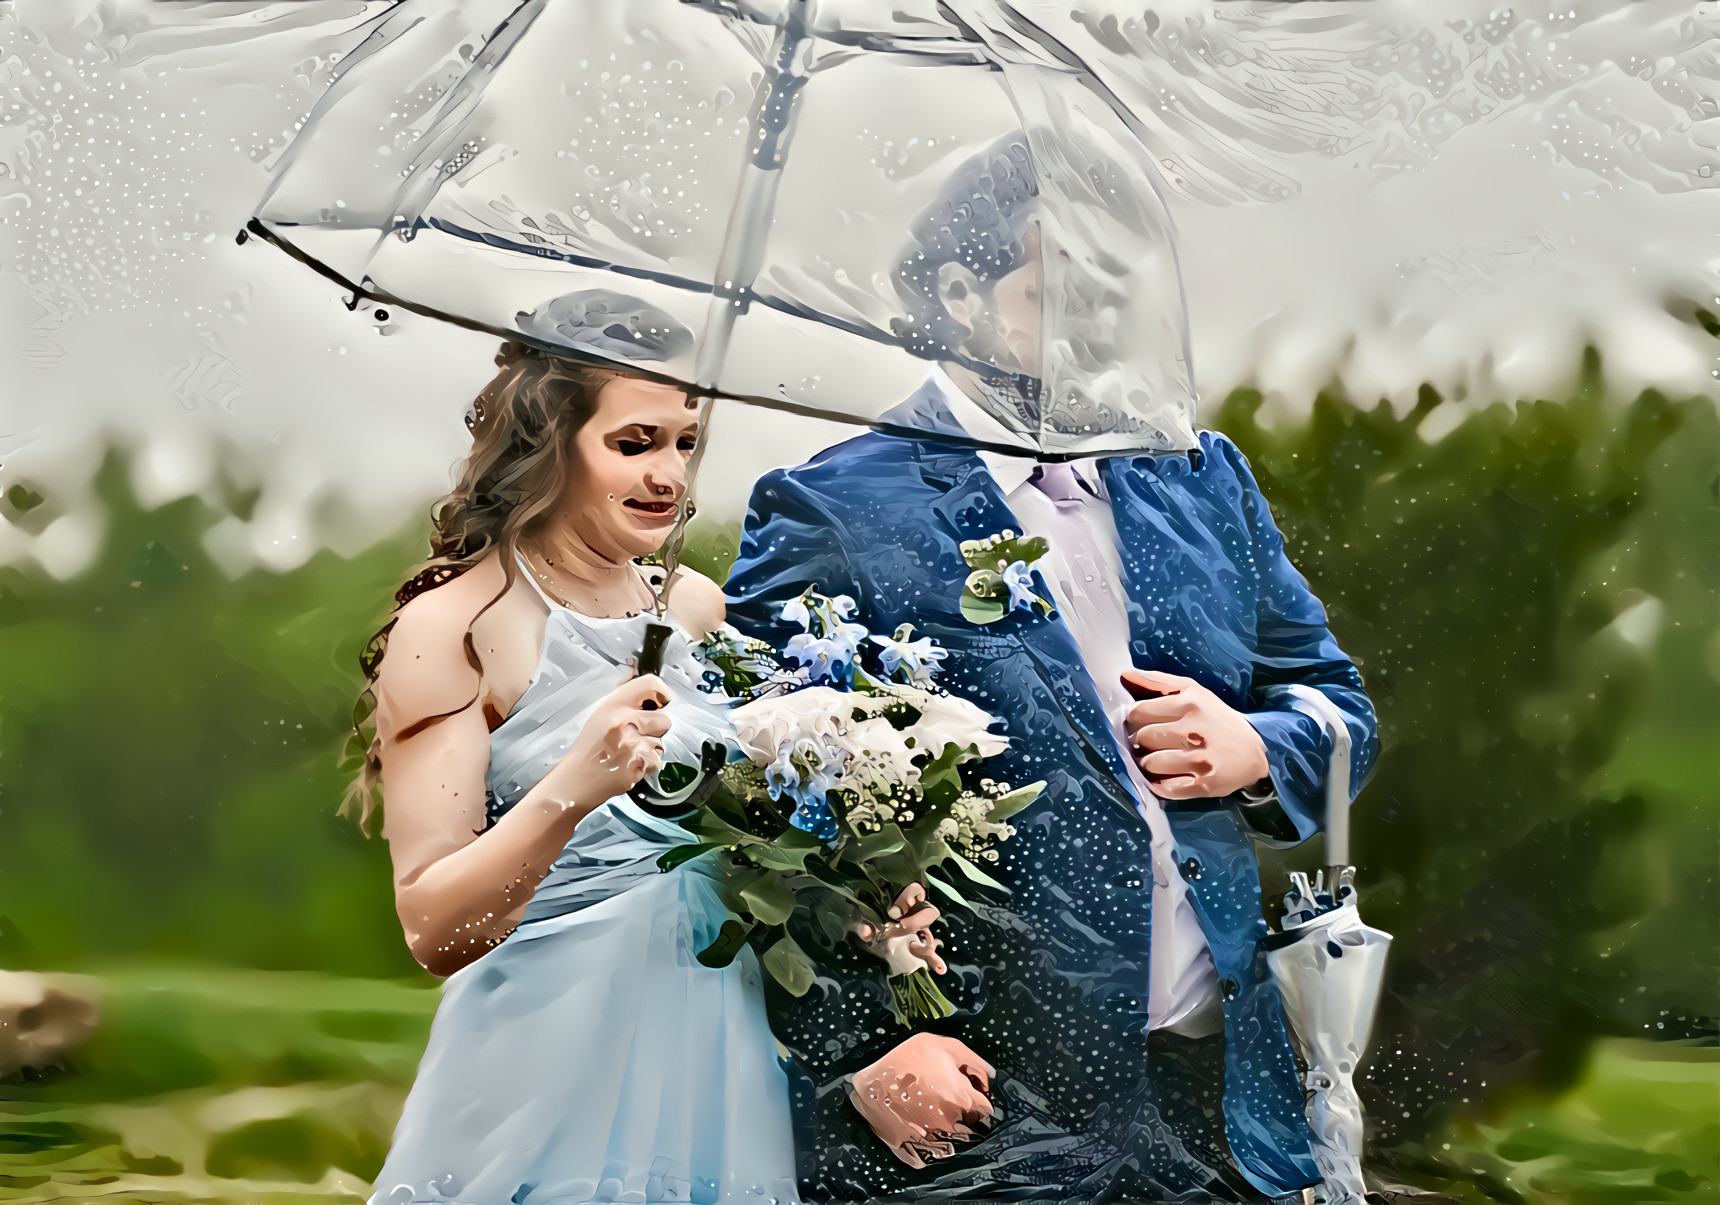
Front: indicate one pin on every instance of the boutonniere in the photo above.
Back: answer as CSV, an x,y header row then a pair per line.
x,y
1002,577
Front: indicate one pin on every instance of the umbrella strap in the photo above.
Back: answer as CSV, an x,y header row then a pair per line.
x,y
1314,704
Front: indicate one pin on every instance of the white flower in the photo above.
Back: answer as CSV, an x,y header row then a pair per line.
x,y
795,610
918,659
822,658
882,759
829,657
764,726
1019,578
843,605
847,637
805,770
948,720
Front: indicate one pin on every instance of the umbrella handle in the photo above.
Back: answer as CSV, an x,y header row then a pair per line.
x,y
665,807
651,648
1316,705
711,761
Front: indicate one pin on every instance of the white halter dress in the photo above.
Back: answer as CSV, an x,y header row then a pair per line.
x,y
590,1057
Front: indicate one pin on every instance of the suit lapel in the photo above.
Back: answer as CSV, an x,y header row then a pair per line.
x,y
972,507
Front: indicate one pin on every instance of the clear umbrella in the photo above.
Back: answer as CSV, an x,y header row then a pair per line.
x,y
1330,967
754,198
797,203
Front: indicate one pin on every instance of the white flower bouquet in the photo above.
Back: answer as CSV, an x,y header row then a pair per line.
x,y
852,782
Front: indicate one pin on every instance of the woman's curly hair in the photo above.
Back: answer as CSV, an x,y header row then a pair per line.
x,y
522,426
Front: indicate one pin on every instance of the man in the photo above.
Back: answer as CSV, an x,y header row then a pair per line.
x,y
1151,702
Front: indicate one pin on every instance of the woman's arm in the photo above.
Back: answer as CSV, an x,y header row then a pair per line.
x,y
458,888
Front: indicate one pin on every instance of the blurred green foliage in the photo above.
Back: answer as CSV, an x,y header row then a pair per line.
x,y
1530,591
165,769
1643,1124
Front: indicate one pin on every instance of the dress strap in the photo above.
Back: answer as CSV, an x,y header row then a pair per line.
x,y
537,588
651,575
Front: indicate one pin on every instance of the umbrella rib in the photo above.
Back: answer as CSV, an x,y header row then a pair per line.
x,y
745,294
782,405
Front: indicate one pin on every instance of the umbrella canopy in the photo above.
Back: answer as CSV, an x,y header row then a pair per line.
x,y
1330,967
801,203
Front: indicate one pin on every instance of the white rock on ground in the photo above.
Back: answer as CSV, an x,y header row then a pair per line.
x,y
44,1016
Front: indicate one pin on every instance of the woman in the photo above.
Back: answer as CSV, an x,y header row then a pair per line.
x,y
580,1053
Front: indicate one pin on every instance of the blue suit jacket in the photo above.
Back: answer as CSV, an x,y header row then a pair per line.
x,y
1051,981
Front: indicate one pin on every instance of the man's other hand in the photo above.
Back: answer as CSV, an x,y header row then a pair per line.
x,y
923,1096
1192,744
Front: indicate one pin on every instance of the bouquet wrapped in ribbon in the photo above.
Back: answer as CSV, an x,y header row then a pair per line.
x,y
856,777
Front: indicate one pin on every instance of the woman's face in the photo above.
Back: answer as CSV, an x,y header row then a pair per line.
x,y
629,467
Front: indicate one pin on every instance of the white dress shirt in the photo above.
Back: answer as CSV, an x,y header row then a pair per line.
x,y
1065,504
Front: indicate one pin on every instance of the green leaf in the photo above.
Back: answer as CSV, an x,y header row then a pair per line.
x,y
1029,550
865,683
832,925
777,857
768,899
726,805
799,839
948,890
1008,805
730,939
715,830
789,966
674,776
900,867
683,853
985,597
975,873
940,785
887,840
844,885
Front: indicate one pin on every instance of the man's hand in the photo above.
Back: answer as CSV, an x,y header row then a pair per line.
x,y
905,943
1193,745
922,1096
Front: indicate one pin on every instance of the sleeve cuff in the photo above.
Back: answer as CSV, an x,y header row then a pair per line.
x,y
1283,816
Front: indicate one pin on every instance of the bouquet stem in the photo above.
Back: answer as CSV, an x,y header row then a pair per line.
x,y
918,998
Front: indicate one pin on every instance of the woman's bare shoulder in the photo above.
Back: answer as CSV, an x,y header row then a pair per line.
x,y
426,656
443,614
698,602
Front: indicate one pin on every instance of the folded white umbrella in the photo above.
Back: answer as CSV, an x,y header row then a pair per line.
x,y
1330,967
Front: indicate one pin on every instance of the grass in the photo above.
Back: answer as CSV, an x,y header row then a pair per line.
x,y
220,1085
256,1086
1642,1125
